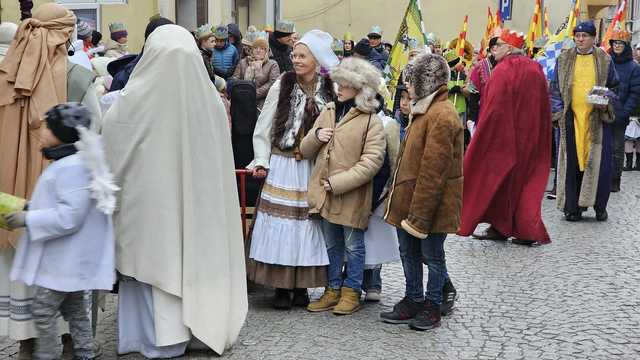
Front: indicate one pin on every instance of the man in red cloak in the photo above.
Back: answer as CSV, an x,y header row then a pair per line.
x,y
506,166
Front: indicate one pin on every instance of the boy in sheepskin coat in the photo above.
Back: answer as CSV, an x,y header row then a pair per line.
x,y
347,142
425,200
68,246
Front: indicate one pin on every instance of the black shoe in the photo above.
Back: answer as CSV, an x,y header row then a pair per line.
x,y
300,298
523,242
428,318
573,217
637,166
602,215
615,186
402,312
449,297
282,299
628,165
552,195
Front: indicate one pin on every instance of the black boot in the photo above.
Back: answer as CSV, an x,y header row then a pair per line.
x,y
637,167
300,298
449,296
602,215
282,299
628,164
615,186
428,318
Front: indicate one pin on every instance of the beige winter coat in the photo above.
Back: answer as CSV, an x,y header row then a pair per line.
x,y
349,161
264,77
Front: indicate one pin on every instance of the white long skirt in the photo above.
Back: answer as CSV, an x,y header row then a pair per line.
x,y
283,234
137,326
16,299
380,241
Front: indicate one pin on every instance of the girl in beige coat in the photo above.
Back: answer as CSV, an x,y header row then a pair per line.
x,y
347,142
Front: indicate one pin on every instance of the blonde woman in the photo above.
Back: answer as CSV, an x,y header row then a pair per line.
x,y
259,68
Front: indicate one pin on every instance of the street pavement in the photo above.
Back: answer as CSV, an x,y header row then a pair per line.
x,y
577,298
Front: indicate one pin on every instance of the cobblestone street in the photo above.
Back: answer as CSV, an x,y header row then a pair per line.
x,y
576,298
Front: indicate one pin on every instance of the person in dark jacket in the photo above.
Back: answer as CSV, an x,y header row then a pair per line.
x,y
379,54
225,55
364,50
121,77
235,38
281,45
206,43
628,97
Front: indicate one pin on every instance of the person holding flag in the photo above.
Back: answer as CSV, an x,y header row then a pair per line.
x,y
506,166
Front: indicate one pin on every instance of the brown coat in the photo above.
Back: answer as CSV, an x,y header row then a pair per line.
x,y
263,78
426,195
350,160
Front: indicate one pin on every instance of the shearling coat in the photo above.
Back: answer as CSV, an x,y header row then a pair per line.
x,y
426,195
350,160
561,99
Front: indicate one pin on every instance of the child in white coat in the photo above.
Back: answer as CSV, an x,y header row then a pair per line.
x,y
68,246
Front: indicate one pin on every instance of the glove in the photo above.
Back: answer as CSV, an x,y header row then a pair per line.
x,y
16,220
455,90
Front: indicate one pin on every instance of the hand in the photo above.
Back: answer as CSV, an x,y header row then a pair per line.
x,y
324,135
259,173
327,186
455,90
16,220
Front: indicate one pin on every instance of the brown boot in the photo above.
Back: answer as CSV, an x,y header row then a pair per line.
x,y
26,349
328,301
349,302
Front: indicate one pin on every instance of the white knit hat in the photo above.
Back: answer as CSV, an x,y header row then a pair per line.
x,y
7,32
319,43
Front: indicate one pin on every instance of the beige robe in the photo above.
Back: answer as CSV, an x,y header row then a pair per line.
x,y
178,224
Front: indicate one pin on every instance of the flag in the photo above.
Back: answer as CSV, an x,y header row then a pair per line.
x,y
547,33
462,38
618,23
562,40
411,29
487,34
499,22
535,31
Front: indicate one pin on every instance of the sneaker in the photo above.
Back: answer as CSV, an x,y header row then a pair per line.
x,y
282,299
349,302
300,298
328,301
428,318
449,297
373,296
402,312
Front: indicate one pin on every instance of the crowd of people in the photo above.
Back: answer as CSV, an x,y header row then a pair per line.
x,y
127,165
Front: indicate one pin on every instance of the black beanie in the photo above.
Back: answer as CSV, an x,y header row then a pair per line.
x,y
363,48
63,119
154,24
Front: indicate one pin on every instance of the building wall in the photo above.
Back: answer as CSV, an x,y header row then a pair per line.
x,y
443,18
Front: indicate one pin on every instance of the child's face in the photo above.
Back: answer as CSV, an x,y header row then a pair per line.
x,y
47,138
405,103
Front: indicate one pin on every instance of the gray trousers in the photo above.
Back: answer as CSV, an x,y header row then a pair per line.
x,y
75,307
618,150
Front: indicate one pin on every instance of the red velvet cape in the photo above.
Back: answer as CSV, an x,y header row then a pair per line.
x,y
507,164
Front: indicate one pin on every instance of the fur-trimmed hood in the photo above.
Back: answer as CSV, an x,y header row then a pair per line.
x,y
361,75
428,73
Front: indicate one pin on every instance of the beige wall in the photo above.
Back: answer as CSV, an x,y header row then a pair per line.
x,y
442,17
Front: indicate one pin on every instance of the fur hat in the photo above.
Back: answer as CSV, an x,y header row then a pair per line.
x,y
7,32
64,119
361,75
428,73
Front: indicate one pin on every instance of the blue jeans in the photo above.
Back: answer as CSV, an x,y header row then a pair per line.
x,y
372,279
340,240
414,252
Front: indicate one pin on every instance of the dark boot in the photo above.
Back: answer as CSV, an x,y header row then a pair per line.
x,y
602,215
26,349
615,186
282,299
428,318
449,297
300,298
628,164
402,312
637,167
573,217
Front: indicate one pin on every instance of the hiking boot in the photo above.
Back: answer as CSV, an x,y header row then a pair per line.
x,y
602,215
402,312
428,318
373,296
300,298
282,299
615,186
328,301
628,164
349,302
26,349
449,297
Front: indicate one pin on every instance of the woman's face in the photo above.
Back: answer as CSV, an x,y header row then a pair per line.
x,y
303,61
346,93
208,43
259,53
347,46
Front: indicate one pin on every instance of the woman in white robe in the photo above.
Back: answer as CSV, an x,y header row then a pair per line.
x,y
178,232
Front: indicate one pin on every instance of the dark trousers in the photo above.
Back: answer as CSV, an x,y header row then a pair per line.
x,y
618,150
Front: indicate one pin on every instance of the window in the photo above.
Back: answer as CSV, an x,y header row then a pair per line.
x,y
88,10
